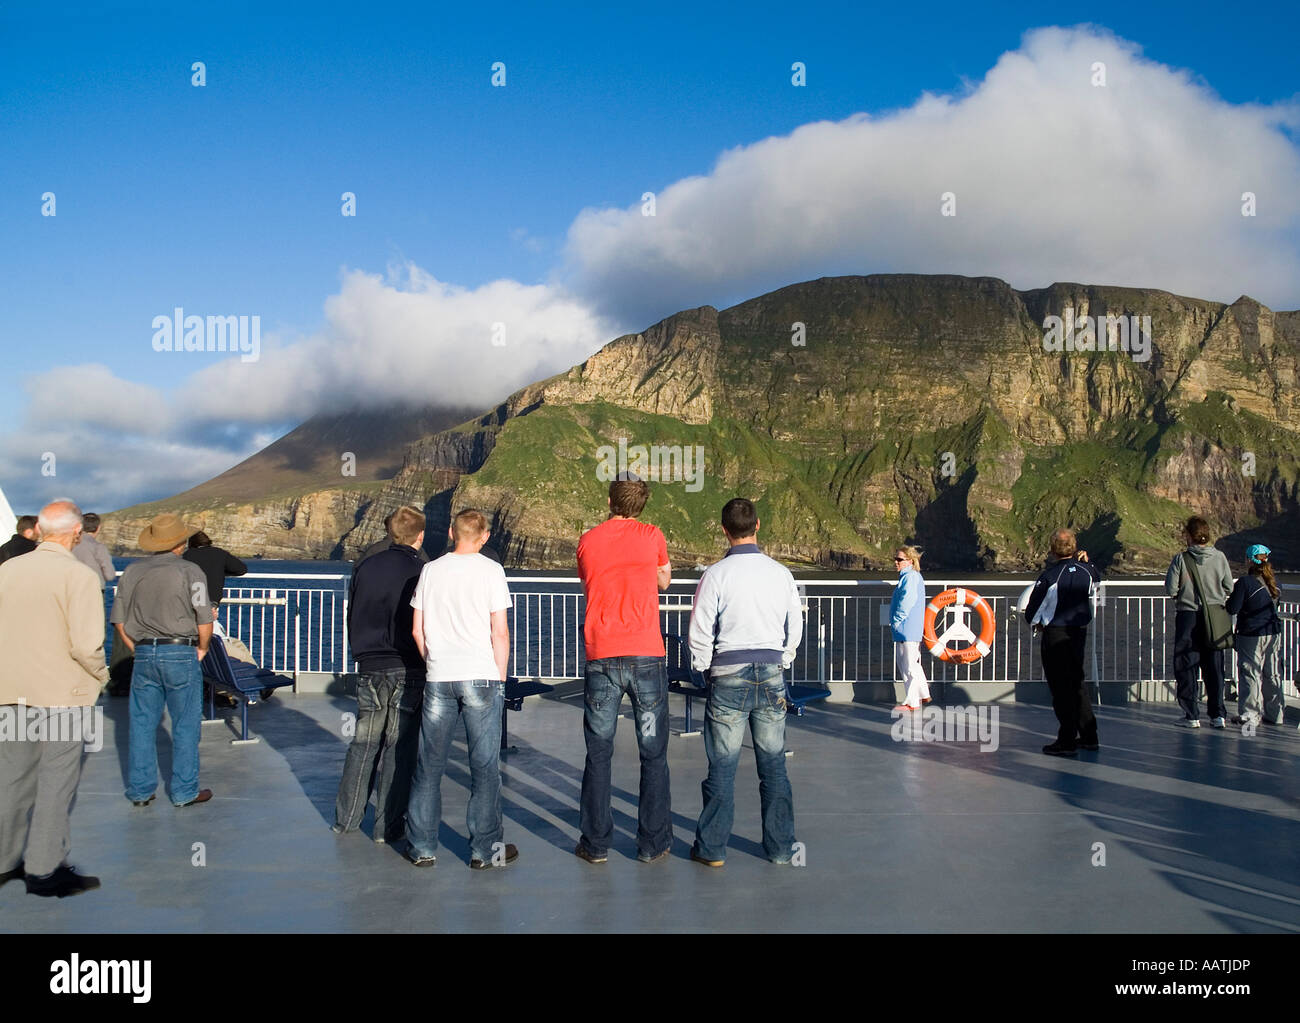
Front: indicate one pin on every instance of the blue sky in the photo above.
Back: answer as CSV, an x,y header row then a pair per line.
x,y
225,199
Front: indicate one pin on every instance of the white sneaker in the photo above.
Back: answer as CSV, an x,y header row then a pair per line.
x,y
1218,723
1188,723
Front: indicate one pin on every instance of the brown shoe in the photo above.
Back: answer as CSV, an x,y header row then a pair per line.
x,y
511,852
203,796
708,863
583,853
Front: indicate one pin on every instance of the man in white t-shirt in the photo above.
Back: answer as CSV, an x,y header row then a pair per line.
x,y
460,626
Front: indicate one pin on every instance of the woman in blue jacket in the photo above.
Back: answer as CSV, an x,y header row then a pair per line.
x,y
907,621
1258,637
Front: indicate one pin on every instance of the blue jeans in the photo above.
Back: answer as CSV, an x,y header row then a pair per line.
x,y
646,680
482,702
755,693
167,675
382,752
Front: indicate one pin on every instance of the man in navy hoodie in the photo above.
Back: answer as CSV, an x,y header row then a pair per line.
x,y
390,689
1065,631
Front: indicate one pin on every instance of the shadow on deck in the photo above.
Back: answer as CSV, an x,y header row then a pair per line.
x,y
1199,831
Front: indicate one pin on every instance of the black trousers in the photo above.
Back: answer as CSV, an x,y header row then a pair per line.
x,y
1192,653
1062,652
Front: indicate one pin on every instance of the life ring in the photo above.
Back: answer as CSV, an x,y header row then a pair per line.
x,y
959,655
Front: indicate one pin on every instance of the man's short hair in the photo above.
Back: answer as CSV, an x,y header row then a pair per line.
x,y
469,525
628,497
58,517
1198,529
1064,544
200,539
739,518
406,524
90,522
24,523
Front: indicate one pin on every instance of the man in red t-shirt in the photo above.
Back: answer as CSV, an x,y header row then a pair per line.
x,y
623,564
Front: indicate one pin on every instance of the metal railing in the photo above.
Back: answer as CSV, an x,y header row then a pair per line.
x,y
301,628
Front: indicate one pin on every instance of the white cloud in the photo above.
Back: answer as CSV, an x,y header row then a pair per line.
x,y
102,470
407,338
92,395
1135,183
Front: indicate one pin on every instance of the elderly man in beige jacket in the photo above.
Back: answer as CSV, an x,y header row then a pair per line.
x,y
51,666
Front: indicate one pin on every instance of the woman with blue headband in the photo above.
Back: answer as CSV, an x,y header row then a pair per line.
x,y
1258,641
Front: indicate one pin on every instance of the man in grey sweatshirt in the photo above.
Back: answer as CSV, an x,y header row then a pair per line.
x,y
746,624
1192,649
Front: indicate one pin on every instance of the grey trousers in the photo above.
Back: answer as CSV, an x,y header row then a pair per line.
x,y
1258,678
38,781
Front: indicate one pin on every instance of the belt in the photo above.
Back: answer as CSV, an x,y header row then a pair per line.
x,y
178,640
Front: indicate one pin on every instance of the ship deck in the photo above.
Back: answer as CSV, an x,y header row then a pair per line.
x,y
1199,832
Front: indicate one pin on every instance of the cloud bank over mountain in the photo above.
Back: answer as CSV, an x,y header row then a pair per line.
x,y
1137,181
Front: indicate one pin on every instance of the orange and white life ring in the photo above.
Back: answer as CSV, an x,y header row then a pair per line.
x,y
953,654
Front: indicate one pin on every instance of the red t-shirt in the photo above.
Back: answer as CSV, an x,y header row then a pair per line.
x,y
617,563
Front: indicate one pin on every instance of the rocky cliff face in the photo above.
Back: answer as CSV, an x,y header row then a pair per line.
x,y
303,527
915,408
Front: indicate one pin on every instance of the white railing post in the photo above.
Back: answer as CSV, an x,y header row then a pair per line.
x,y
344,666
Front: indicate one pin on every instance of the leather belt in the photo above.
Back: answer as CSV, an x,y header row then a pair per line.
x,y
170,640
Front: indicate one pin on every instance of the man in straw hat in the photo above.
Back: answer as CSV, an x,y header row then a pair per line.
x,y
163,613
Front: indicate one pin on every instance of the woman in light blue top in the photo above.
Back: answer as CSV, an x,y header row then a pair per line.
x,y
907,622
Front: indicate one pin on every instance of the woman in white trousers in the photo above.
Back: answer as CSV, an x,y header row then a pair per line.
x,y
907,622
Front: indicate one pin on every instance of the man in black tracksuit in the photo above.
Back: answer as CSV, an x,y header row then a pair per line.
x,y
23,541
1063,642
390,689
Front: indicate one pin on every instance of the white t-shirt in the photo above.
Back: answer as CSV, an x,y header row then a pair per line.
x,y
457,594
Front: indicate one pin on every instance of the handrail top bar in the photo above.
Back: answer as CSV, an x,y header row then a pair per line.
x,y
945,583
683,580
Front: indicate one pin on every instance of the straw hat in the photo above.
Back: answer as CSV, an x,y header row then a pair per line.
x,y
165,532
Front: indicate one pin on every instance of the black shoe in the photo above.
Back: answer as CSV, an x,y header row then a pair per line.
x,y
512,854
63,882
1057,750
267,694
12,875
583,853
652,859
420,861
144,802
1090,746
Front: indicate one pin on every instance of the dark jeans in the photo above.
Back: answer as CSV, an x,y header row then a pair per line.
x,y
165,676
1062,652
754,695
645,679
382,753
1192,652
481,702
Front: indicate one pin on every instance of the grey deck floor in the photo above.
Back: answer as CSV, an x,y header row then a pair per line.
x,y
1201,833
